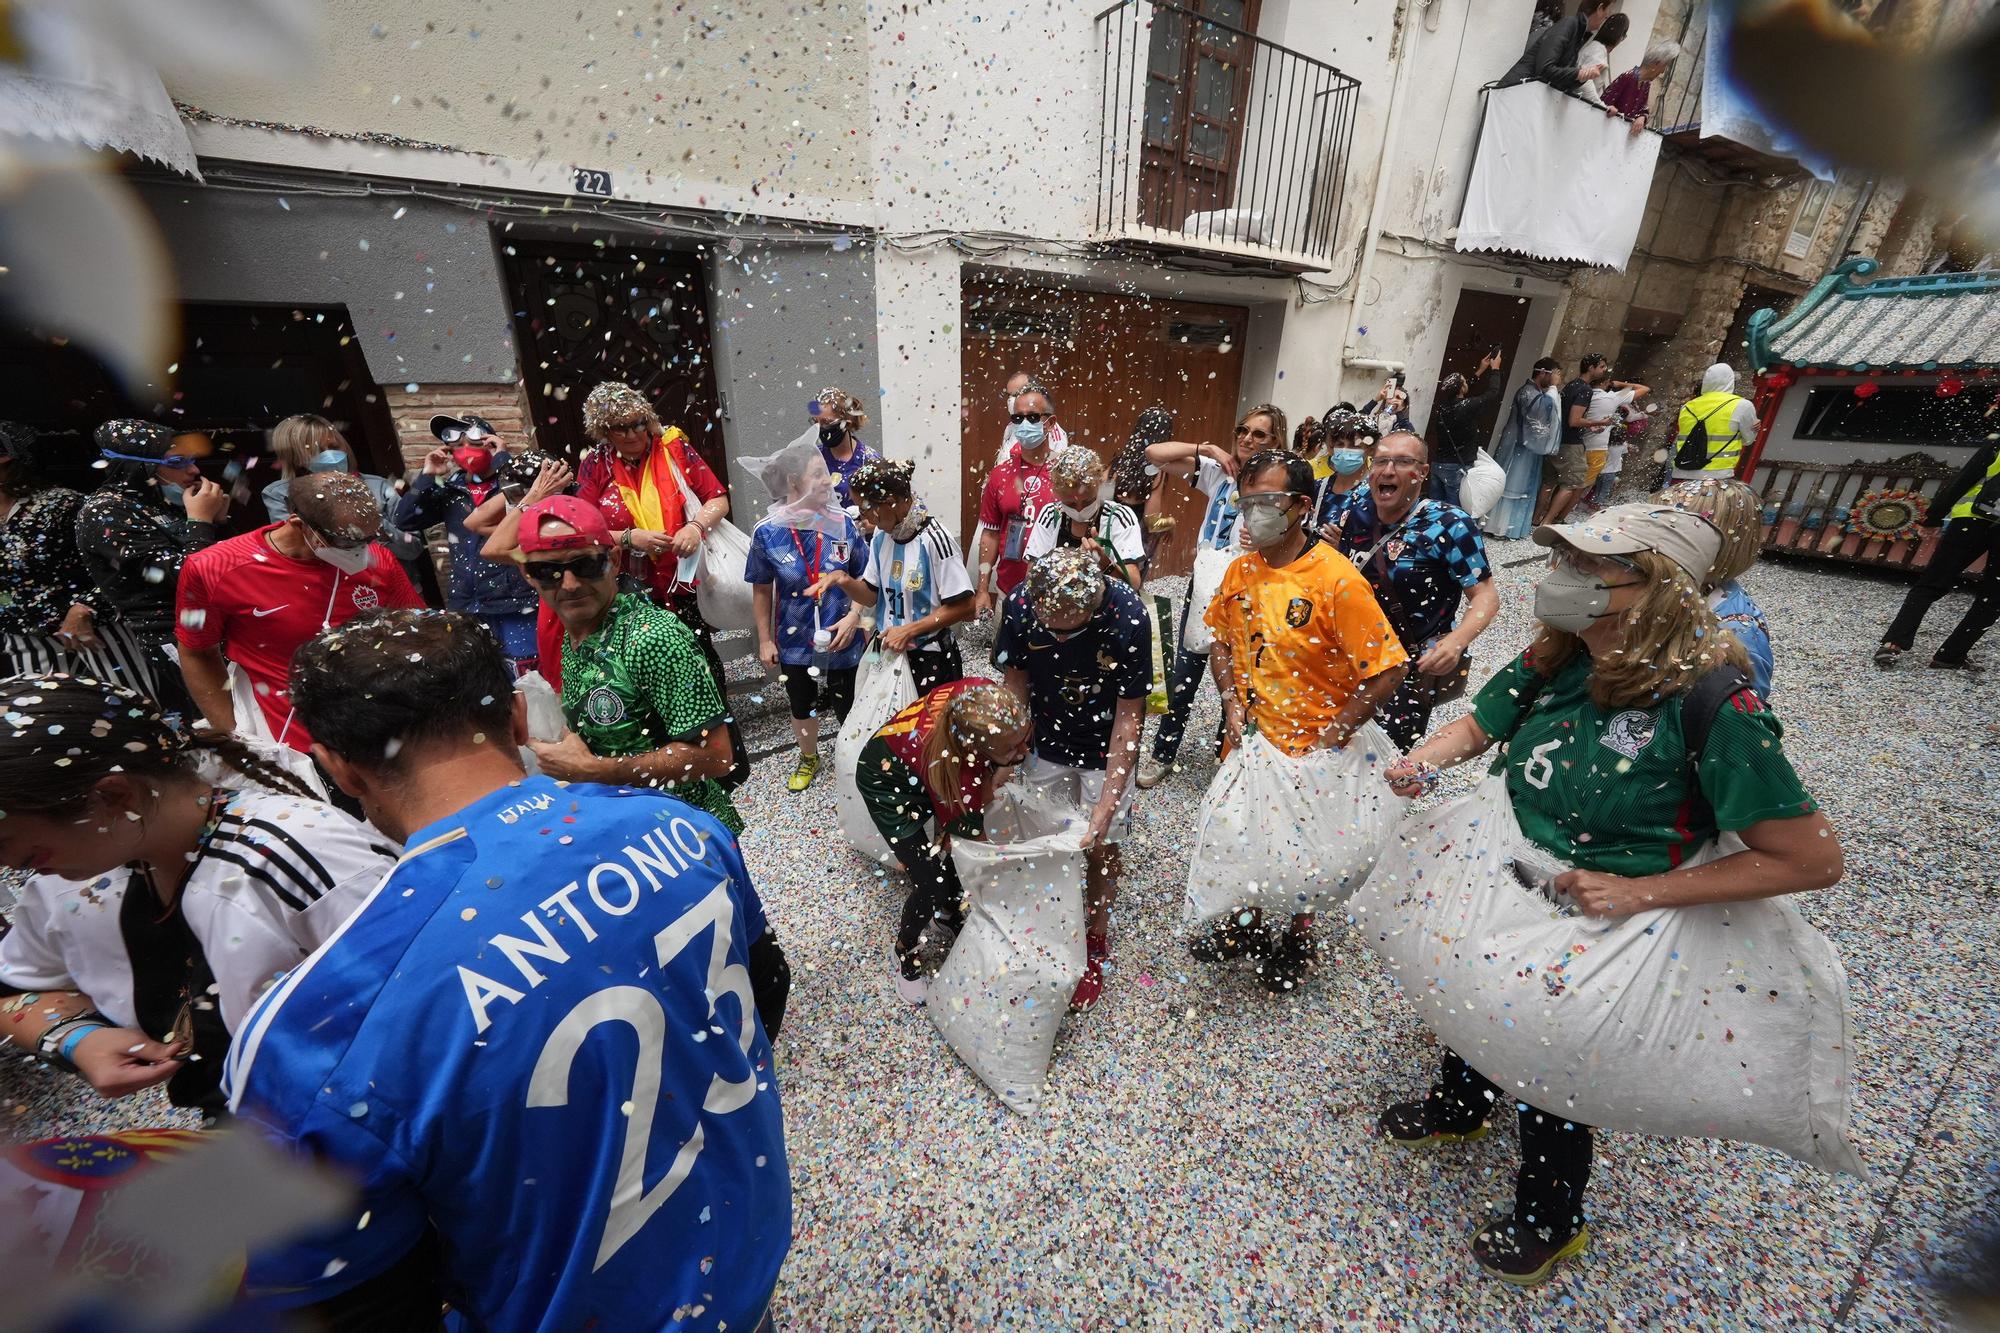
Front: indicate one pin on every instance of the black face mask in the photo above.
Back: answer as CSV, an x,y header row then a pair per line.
x,y
831,433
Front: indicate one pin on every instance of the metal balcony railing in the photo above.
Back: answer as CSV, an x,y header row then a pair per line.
x,y
1212,137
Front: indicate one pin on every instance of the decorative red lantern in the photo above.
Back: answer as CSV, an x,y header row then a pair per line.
x,y
1950,386
1866,389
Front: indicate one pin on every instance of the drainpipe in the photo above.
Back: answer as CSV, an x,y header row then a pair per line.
x,y
1400,60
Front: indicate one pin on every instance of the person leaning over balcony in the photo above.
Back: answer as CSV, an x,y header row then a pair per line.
x,y
1597,52
1969,507
1631,93
1553,56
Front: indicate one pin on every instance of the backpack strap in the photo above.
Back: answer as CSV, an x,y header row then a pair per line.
x,y
1699,706
1703,701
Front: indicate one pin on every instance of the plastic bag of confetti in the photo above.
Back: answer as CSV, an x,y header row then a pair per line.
x,y
725,599
1209,567
1291,835
1000,997
1724,1021
883,687
545,714
1482,486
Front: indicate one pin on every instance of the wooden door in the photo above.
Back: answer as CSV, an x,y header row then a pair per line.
x,y
1198,77
584,314
1482,321
1106,357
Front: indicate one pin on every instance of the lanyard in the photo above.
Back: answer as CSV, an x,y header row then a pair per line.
x,y
819,550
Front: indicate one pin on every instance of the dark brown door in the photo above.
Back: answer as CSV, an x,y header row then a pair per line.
x,y
1483,321
1106,357
584,314
1198,70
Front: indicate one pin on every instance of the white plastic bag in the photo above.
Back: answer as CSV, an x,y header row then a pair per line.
x,y
726,600
1209,567
1724,1021
1482,486
1001,995
545,714
254,730
883,687
1291,835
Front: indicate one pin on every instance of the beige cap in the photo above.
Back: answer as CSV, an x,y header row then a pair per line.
x,y
1689,540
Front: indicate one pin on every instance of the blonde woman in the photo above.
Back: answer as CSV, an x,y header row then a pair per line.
x,y
659,496
1631,740
1733,508
304,444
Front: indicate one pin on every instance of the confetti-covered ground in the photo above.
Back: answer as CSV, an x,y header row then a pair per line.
x,y
1206,1157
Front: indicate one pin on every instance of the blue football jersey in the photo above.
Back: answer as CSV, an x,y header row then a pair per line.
x,y
538,1035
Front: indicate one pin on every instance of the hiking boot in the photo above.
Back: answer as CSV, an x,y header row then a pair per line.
x,y
1241,932
1283,970
1414,1125
802,776
1151,773
1887,656
1514,1252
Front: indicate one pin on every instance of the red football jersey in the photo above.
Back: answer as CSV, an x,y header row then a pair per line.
x,y
258,606
1014,493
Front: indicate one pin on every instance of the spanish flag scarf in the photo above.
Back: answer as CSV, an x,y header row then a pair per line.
x,y
652,488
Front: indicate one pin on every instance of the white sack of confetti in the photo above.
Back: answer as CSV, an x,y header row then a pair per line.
x,y
1000,997
1291,835
1209,567
1482,486
883,687
545,714
1723,1021
726,600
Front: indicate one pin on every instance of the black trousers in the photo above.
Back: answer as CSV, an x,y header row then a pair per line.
x,y
937,665
935,895
690,615
811,695
1555,1153
1964,541
1405,715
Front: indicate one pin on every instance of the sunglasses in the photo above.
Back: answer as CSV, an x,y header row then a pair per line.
x,y
549,573
453,434
1253,434
1031,417
622,427
166,460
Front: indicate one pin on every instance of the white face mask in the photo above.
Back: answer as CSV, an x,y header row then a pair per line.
x,y
1266,525
346,561
1085,514
1570,600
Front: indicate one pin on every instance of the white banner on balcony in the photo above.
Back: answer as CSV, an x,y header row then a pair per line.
x,y
1556,178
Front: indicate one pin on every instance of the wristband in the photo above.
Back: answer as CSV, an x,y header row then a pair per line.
x,y
67,1051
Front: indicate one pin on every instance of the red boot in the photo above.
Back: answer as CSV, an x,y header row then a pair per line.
x,y
1096,949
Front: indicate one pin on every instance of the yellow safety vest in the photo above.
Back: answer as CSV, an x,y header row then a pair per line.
x,y
1963,509
1725,446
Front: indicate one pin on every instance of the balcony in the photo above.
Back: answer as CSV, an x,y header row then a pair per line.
x,y
1703,116
1215,141
1556,178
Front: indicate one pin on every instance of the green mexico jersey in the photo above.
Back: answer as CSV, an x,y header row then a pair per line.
x,y
1610,789
640,683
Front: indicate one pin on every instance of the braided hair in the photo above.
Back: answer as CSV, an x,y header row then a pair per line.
x,y
60,735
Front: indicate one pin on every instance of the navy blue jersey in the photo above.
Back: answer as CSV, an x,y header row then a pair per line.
x,y
1076,680
538,1035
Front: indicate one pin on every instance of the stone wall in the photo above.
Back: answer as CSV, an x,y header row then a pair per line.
x,y
505,405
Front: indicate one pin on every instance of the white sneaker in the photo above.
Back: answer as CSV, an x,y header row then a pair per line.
x,y
1151,773
913,992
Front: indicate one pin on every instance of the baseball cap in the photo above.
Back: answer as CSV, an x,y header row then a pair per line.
x,y
1689,540
459,426
586,518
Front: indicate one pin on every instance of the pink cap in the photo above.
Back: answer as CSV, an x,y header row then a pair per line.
x,y
586,518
